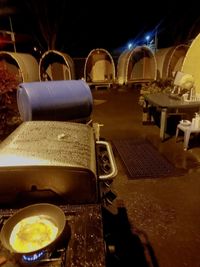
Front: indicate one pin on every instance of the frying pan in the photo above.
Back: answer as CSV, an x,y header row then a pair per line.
x,y
52,212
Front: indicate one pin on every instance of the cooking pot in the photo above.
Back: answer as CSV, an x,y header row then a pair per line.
x,y
51,212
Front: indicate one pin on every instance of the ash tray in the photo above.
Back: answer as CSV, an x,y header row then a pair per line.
x,y
185,122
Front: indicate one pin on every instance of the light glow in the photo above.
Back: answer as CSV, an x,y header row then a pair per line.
x,y
18,160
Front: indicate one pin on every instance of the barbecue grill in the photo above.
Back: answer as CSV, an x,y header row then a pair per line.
x,y
61,161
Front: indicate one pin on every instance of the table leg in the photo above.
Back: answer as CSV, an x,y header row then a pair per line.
x,y
145,113
186,138
163,123
147,117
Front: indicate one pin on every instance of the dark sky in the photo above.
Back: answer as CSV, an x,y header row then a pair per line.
x,y
82,26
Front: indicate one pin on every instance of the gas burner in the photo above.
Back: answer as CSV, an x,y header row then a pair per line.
x,y
34,257
44,258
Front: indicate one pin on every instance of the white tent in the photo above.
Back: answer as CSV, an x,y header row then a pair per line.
x,y
99,68
122,65
170,60
25,66
136,65
54,65
191,63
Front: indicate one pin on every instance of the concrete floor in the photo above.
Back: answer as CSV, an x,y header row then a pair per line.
x,y
163,213
157,223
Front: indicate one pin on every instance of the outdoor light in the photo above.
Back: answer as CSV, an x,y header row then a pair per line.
x,y
130,45
147,37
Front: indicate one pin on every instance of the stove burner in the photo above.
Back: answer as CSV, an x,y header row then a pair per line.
x,y
34,257
55,258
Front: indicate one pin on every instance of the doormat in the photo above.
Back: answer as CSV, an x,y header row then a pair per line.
x,y
143,160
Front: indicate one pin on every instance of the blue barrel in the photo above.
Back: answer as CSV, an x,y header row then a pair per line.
x,y
66,100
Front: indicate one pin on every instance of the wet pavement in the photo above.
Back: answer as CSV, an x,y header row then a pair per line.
x,y
162,212
153,222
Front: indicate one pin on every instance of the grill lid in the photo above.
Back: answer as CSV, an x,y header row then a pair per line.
x,y
50,143
58,156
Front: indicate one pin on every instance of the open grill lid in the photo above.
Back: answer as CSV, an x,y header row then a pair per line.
x,y
50,155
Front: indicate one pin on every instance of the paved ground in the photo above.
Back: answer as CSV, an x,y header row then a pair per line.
x,y
158,220
163,213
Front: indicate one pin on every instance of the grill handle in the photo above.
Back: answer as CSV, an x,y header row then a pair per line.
x,y
113,165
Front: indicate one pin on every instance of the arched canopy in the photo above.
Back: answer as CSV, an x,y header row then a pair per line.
x,y
135,65
176,59
99,67
122,67
24,66
55,65
191,63
170,60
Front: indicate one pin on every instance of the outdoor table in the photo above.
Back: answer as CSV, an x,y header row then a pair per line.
x,y
167,103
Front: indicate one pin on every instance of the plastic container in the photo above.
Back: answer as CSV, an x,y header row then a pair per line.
x,y
54,100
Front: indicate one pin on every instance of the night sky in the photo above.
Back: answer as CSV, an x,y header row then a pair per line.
x,y
78,27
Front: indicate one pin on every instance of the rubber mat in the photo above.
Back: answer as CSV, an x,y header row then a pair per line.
x,y
142,159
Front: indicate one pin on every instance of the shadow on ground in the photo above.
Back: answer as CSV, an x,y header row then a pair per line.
x,y
125,246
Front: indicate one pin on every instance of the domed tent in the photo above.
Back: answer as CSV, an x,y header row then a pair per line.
x,y
54,65
99,69
136,65
176,59
170,60
191,63
22,65
122,67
